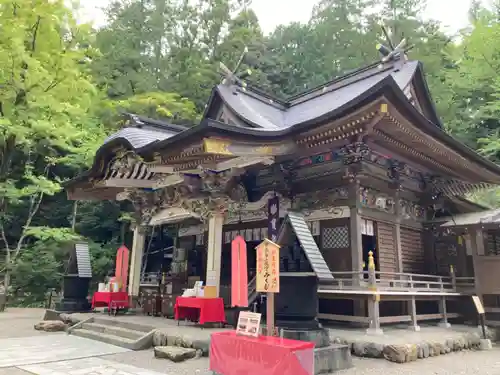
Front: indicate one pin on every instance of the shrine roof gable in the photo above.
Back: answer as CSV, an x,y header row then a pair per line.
x,y
295,225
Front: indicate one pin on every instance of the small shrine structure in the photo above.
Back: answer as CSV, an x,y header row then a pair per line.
x,y
363,158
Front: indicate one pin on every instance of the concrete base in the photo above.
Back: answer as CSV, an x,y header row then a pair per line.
x,y
485,344
72,305
444,325
332,358
414,328
374,331
319,337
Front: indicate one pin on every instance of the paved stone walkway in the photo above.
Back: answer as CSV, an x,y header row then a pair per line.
x,y
86,366
49,348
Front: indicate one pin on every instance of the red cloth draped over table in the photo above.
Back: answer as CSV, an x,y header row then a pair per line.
x,y
203,310
232,354
110,300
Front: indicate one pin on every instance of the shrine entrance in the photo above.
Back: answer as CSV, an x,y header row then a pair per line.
x,y
369,243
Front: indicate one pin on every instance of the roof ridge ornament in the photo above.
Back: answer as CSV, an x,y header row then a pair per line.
x,y
393,52
230,77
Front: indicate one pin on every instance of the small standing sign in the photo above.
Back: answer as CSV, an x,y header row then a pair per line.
x,y
248,324
480,311
268,277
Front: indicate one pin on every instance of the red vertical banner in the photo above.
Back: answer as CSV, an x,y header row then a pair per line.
x,y
239,274
121,272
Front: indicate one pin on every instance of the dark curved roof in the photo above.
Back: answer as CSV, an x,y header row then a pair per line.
x,y
267,113
142,131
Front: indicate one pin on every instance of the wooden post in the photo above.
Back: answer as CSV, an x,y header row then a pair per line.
x,y
214,251
134,280
374,315
444,313
453,278
372,279
412,307
268,278
270,314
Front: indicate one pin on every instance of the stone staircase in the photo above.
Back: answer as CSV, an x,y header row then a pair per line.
x,y
124,334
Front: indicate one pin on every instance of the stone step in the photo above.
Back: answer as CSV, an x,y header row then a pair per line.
x,y
122,324
113,330
106,338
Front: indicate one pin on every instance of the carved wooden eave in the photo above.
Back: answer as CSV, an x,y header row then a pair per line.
x,y
329,213
344,130
398,134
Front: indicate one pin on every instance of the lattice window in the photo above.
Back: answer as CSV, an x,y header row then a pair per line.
x,y
336,238
493,242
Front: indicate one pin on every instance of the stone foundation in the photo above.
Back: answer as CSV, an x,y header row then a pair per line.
x,y
401,353
332,358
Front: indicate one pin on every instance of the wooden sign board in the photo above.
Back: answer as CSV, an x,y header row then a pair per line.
x,y
478,304
268,267
248,324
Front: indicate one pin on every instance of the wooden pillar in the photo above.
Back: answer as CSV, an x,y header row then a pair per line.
x,y
134,280
476,242
359,306
214,250
412,309
355,232
397,232
444,314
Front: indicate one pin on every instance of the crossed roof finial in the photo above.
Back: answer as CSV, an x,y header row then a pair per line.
x,y
393,51
229,76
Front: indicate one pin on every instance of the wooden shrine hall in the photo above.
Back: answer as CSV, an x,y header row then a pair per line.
x,y
364,158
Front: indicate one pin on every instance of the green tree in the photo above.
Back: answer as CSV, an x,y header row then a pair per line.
x,y
45,96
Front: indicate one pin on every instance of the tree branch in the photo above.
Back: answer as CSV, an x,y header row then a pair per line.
x,y
4,237
35,34
34,206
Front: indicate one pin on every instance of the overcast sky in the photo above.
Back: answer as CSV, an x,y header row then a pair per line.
x,y
452,13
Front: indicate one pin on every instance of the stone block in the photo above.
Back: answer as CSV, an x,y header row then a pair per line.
x,y
332,358
50,326
401,353
485,344
174,353
51,315
203,345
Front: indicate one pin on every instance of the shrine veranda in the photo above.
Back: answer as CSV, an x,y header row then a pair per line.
x,y
363,159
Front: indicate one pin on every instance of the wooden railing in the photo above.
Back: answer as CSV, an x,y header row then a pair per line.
x,y
393,281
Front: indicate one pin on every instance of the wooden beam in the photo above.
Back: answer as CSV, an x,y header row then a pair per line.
x,y
171,180
126,183
243,162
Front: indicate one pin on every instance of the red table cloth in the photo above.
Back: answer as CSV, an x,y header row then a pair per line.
x,y
232,354
111,300
203,310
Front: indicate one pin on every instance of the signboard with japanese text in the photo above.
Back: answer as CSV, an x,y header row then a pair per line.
x,y
248,324
273,218
268,267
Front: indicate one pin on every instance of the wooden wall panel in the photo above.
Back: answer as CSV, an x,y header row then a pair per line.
x,y
387,255
486,268
337,258
412,251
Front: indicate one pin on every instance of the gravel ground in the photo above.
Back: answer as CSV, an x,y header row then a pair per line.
x,y
459,363
16,322
19,323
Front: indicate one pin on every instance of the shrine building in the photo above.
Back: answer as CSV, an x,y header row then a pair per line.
x,y
363,158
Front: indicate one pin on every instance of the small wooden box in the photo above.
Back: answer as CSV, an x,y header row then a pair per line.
x,y
210,292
